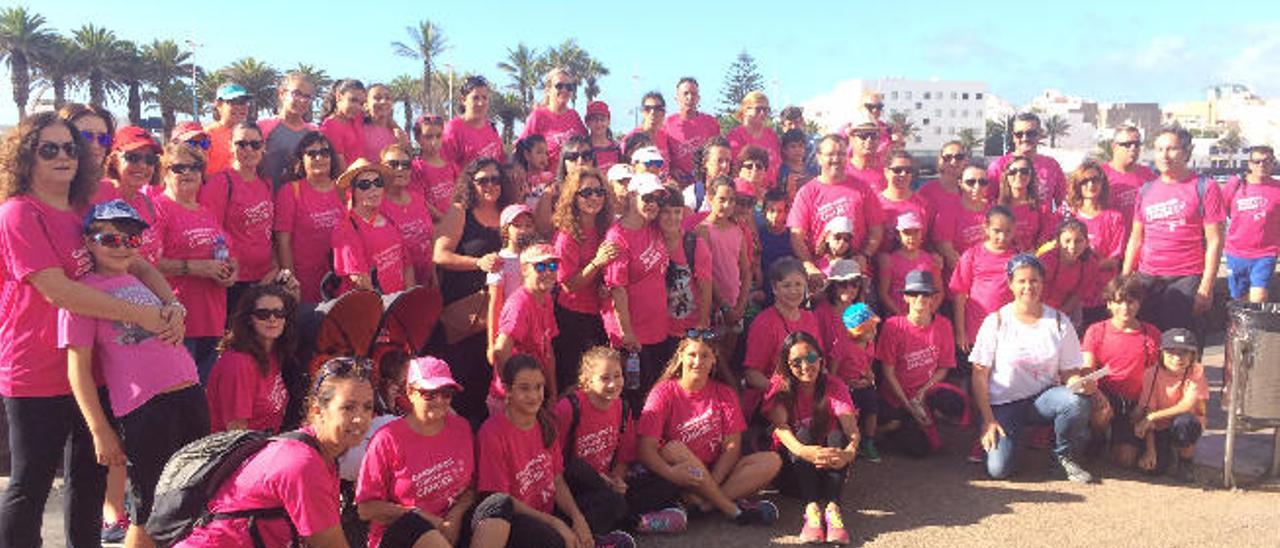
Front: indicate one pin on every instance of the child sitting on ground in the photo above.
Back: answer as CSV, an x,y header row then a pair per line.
x,y
1171,416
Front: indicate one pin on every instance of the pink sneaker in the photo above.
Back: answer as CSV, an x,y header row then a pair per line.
x,y
836,533
666,520
811,532
977,454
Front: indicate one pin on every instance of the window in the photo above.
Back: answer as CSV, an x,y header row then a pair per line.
x,y
918,105
953,113
964,113
926,96
937,112
964,96
893,95
977,96
937,130
925,122
917,137
906,95
954,96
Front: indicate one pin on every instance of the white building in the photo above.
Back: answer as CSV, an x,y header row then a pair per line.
x,y
939,109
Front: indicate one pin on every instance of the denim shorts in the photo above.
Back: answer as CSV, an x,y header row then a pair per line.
x,y
1244,274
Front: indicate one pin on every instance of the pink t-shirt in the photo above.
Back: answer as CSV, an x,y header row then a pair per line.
x,y
1173,227
871,177
1108,233
347,137
310,217
424,472
683,296
850,360
574,256
700,420
599,435
377,138
238,391
891,209
1081,279
1128,354
1032,225
218,156
1162,389
915,353
1124,188
190,234
960,227
607,155
285,473
436,183
1254,230
726,249
836,393
641,268
246,218
741,137
530,321
35,237
137,366
937,197
1052,183
900,266
145,207
463,144
555,128
417,232
764,340
687,135
980,274
818,202
359,246
515,462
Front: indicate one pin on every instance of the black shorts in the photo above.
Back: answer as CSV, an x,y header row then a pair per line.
x,y
154,432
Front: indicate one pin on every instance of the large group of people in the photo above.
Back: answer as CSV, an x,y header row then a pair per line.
x,y
634,332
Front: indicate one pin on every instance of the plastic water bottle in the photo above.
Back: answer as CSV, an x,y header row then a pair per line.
x,y
220,251
632,371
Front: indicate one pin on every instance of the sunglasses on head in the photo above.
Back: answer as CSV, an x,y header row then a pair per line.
x,y
900,170
1026,134
183,169
141,158
202,144
700,334
399,165
446,393
264,314
366,184
1129,144
103,139
48,150
1018,171
592,192
488,180
317,153
953,157
654,197
585,156
546,266
254,144
976,182
117,241
566,86
810,358
342,367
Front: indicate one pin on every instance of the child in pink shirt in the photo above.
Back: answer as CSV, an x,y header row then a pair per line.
x,y
1071,271
730,265
528,322
344,122
431,175
1171,411
851,350
979,285
516,227
910,255
897,198
603,147
835,243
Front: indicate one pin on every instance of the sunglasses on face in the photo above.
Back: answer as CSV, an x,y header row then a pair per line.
x,y
117,241
317,153
566,86
183,169
866,136
873,106
1129,144
488,180
432,395
752,166
47,150
546,266
433,119
140,158
953,158
900,170
1026,134
342,367
593,192
762,109
1261,161
399,165
432,135
810,358
202,144
975,182
366,184
700,334
264,314
654,108
1091,181
103,139
654,164
842,284
584,156
253,144
1018,171
654,197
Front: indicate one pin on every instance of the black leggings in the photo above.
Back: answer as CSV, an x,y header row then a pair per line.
x,y
43,431
578,333
603,508
526,531
816,484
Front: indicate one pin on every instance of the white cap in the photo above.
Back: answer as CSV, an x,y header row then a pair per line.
x,y
618,172
646,154
838,225
645,183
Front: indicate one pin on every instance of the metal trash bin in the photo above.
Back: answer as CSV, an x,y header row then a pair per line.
x,y
1252,375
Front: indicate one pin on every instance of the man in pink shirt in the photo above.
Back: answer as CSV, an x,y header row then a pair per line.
x,y
1124,173
1253,237
864,162
687,130
1176,240
1026,141
832,194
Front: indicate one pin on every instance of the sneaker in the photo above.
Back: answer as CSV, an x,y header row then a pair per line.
x,y
977,454
811,531
114,532
867,450
836,533
666,520
1075,473
760,512
616,539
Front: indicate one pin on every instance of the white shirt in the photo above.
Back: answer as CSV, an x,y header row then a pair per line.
x,y
1025,359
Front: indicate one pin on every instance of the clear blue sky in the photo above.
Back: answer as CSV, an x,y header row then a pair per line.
x,y
1101,50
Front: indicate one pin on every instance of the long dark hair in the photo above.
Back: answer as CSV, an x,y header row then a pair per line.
x,y
522,362
330,103
242,338
465,193
577,141
18,159
786,393
524,147
297,170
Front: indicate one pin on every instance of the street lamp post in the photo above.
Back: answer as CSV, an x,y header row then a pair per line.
x,y
195,95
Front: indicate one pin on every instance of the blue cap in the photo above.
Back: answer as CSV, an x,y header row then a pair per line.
x,y
113,210
856,315
1023,260
231,91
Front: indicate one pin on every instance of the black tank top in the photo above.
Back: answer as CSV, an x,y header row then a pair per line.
x,y
477,241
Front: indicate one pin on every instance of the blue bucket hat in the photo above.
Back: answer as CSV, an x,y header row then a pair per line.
x,y
113,210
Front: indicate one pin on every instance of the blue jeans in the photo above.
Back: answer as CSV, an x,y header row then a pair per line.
x,y
1067,411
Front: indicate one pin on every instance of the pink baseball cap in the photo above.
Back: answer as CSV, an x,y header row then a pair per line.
x,y
909,220
430,373
744,186
512,211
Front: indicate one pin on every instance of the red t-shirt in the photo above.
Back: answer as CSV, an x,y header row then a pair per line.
x,y
915,353
238,391
818,202
347,137
1173,227
514,461
1128,354
1081,279
530,321
1032,225
218,157
938,197
600,432
190,234
641,268
1254,230
980,274
891,209
871,177
437,183
900,266
417,232
246,218
1162,389
463,144
700,420
1124,188
359,246
764,339
741,137
960,226
1052,182
310,217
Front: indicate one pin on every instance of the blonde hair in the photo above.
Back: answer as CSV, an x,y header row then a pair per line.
x,y
752,98
549,83
594,358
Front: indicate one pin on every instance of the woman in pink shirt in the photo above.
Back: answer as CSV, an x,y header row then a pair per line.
x,y
247,386
343,115
433,175
307,209
131,168
1033,223
47,175
1089,199
770,327
956,229
945,191
754,115
96,126
380,128
583,214
653,110
897,198
472,136
552,118
296,472
195,255
409,212
368,250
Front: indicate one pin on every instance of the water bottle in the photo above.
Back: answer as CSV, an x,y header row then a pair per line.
x,y
632,371
220,251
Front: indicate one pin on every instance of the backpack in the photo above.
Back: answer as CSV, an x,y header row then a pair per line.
x,y
194,474
1202,186
570,435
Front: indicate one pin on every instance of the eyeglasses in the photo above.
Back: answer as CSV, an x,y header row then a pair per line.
x,y
654,108
1129,144
140,158
431,119
654,164
342,367
183,169
592,192
48,150
954,158
810,358
432,135
487,180
297,94
760,109
752,165
873,106
700,334
584,156
1018,171
399,165
1026,134
566,86
654,197
253,144
117,241
899,170
546,266
202,144
366,184
976,182
1261,161
432,395
103,139
867,135
264,314
317,153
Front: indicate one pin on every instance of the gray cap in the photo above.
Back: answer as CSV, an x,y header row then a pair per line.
x,y
113,210
920,281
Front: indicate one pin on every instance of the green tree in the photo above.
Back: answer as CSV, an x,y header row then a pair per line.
x,y
404,89
742,78
1231,142
23,41
969,139
901,122
1056,126
591,75
258,78
522,66
1103,150
507,109
133,75
426,42
994,144
167,65
102,58
206,88
58,67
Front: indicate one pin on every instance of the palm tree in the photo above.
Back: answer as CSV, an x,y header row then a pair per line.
x,y
968,139
1231,142
994,144
167,65
426,42
522,65
58,66
102,55
258,78
901,122
133,74
1103,150
591,74
206,88
507,108
1054,127
22,40
403,89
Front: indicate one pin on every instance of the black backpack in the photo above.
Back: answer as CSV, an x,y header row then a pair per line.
x,y
194,474
570,436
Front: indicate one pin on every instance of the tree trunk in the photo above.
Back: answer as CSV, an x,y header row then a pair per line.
x,y
426,85
167,118
97,96
21,80
135,103
59,93
408,119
